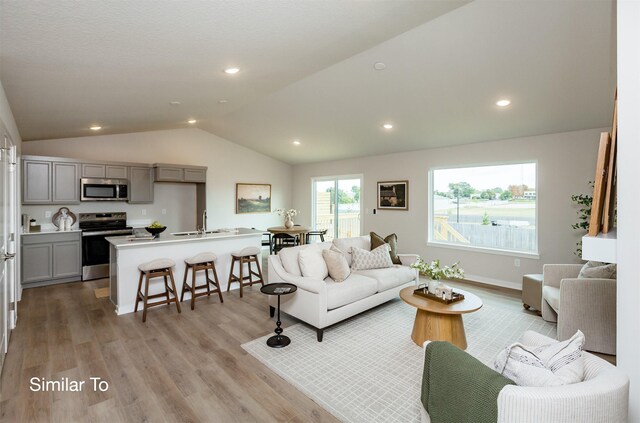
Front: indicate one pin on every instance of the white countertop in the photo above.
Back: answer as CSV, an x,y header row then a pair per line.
x,y
50,231
129,241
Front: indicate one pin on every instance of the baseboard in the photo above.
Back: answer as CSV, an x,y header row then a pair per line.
x,y
514,286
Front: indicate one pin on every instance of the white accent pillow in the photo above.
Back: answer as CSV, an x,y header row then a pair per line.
x,y
336,263
555,364
377,258
312,264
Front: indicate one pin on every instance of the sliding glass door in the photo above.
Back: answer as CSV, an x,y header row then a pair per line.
x,y
337,205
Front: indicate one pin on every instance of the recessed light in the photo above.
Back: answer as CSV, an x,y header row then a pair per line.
x,y
296,142
174,103
387,126
231,71
379,66
223,101
95,127
503,103
192,121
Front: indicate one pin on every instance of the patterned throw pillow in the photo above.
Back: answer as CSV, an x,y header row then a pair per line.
x,y
392,240
375,259
555,364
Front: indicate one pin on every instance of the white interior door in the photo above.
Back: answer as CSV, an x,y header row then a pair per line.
x,y
4,253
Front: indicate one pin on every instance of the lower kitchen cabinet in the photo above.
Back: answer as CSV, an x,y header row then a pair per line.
x,y
49,258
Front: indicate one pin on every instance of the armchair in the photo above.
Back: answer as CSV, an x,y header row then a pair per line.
x,y
602,397
585,304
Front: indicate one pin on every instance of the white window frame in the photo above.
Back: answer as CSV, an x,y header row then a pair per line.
x,y
442,244
336,179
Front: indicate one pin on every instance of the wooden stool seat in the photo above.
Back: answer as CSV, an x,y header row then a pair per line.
x,y
203,261
248,256
156,269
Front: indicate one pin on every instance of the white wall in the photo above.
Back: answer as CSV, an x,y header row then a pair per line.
x,y
566,162
227,163
628,248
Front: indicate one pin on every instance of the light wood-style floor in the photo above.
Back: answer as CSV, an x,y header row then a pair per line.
x,y
185,367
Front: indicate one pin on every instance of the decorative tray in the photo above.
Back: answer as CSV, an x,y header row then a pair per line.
x,y
421,292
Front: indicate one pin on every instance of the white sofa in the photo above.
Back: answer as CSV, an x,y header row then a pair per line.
x,y
322,303
603,396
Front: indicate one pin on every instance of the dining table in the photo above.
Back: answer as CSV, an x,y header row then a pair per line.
x,y
296,231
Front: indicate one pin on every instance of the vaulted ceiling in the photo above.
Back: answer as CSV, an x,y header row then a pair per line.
x,y
307,70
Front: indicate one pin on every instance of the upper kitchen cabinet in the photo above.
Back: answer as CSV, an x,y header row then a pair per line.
x,y
140,184
49,182
178,173
93,170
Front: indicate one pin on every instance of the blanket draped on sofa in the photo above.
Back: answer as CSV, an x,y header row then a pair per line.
x,y
457,387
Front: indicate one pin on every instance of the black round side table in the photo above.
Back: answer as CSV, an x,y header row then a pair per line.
x,y
278,340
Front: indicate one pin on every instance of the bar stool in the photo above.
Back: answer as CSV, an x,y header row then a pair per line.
x,y
156,269
246,256
206,262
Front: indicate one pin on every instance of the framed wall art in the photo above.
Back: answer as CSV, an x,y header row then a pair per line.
x,y
393,195
253,198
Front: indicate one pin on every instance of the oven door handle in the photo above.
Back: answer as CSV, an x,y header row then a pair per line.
x,y
115,232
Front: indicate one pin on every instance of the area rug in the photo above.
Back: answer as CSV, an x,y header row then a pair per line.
x,y
101,292
367,369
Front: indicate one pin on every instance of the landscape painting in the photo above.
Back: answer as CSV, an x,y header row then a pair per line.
x,y
393,195
253,198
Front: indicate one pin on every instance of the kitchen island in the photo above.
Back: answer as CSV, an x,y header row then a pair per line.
x,y
127,252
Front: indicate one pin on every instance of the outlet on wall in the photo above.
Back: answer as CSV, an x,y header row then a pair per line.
x,y
516,262
144,212
164,211
47,213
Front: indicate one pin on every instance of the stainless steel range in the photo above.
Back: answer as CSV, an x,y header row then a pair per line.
x,y
95,249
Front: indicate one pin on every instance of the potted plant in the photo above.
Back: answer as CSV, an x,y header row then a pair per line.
x,y
435,273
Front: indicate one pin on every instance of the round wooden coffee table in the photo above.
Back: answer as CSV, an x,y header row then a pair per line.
x,y
440,322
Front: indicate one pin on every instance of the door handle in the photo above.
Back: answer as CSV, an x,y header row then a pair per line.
x,y
7,256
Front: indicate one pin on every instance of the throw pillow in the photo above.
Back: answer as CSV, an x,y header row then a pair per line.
x,y
596,269
555,364
392,240
375,259
312,263
336,263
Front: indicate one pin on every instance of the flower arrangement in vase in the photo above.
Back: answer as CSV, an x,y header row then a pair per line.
x,y
288,216
435,273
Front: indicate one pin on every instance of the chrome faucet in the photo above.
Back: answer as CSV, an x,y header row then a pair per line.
x,y
204,221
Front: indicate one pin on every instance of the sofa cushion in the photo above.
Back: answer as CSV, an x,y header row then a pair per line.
x,y
374,259
392,240
336,264
552,296
354,288
390,277
554,364
345,244
596,269
312,264
289,256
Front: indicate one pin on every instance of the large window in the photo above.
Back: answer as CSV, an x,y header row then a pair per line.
x,y
337,205
484,207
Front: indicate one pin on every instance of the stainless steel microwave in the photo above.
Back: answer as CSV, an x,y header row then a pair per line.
x,y
92,189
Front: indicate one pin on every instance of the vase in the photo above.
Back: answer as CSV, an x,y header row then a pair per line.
x,y
433,284
288,223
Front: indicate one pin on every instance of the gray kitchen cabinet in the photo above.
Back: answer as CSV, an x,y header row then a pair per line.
x,y
93,170
116,172
66,259
169,174
49,258
140,185
66,183
37,264
36,182
195,175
